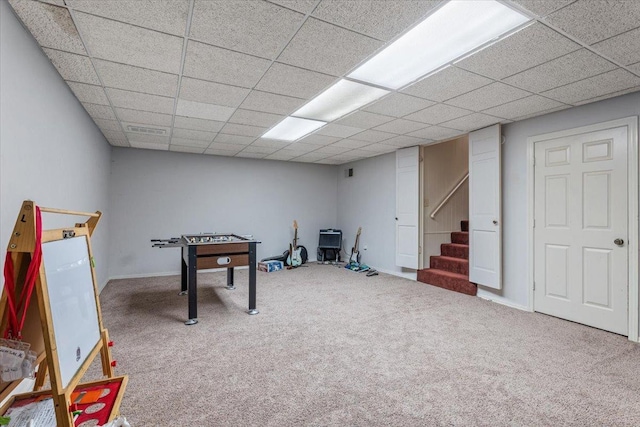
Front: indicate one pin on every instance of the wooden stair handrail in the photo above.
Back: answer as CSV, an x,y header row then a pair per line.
x,y
448,196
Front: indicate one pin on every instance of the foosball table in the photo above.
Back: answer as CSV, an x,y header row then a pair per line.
x,y
206,251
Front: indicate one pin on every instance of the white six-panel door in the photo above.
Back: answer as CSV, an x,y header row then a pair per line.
x,y
485,213
580,210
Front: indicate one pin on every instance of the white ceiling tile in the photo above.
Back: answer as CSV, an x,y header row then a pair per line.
x,y
253,27
186,142
400,126
398,105
199,110
527,48
311,157
260,149
149,145
99,111
255,118
140,101
279,155
330,162
243,130
128,77
332,149
609,95
56,2
89,93
404,141
51,25
145,117
186,149
233,139
635,68
561,71
540,113
435,133
437,114
593,20
339,131
271,103
349,156
197,124
114,134
339,51
193,134
351,143
227,147
108,124
446,84
263,142
161,15
304,6
372,136
73,67
472,122
364,120
300,148
379,148
543,7
488,96
250,155
382,20
603,84
293,81
151,139
217,152
624,48
222,65
119,142
118,42
212,93
523,107
315,139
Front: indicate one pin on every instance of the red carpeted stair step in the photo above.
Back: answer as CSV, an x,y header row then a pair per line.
x,y
461,237
447,280
464,225
454,265
455,250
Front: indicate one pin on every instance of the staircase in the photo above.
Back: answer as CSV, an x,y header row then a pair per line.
x,y
450,270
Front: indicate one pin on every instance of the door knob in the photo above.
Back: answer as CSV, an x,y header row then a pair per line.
x,y
619,242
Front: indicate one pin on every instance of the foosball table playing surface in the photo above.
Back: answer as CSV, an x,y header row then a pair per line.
x,y
206,251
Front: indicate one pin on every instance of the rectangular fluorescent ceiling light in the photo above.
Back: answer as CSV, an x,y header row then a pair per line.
x,y
450,32
293,128
340,99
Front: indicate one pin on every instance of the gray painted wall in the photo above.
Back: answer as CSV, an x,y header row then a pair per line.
x,y
158,194
514,185
51,152
368,200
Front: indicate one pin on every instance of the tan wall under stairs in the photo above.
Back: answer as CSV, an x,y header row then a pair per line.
x,y
444,165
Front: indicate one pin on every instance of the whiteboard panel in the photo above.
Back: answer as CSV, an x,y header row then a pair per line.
x,y
73,302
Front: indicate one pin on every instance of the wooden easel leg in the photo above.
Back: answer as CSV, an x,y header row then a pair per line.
x,y
105,355
41,376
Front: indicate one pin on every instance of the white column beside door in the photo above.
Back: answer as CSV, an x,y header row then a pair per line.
x,y
407,207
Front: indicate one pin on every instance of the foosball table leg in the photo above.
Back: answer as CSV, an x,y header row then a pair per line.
x,y
230,285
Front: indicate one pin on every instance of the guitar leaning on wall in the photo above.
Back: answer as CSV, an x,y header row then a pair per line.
x,y
355,255
294,259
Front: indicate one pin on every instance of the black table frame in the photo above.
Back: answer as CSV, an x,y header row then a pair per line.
x,y
189,279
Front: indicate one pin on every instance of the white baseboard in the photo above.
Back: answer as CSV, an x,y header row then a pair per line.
x,y
408,275
506,303
167,273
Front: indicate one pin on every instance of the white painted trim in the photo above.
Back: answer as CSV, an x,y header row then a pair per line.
x,y
634,234
168,273
411,275
506,303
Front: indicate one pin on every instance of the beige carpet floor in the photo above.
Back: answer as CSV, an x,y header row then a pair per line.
x,y
332,347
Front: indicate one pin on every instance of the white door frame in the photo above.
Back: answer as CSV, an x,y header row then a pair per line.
x,y
634,239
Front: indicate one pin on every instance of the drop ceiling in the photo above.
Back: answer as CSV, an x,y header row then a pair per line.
x,y
211,77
